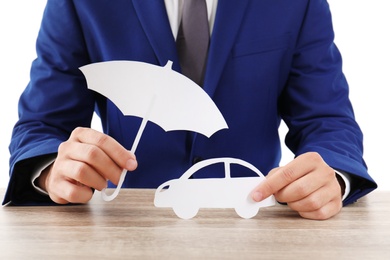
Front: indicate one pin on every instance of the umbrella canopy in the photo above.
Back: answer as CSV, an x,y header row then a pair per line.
x,y
159,94
153,93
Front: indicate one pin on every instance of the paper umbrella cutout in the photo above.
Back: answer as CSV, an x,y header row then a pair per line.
x,y
157,94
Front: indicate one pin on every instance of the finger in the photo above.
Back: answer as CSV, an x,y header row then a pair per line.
x,y
122,157
306,185
256,193
80,153
272,172
282,177
285,175
57,199
327,211
70,192
317,199
76,193
85,174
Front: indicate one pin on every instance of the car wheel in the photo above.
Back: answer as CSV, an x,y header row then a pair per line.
x,y
247,211
186,212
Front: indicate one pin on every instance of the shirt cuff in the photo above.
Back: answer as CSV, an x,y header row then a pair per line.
x,y
347,180
38,172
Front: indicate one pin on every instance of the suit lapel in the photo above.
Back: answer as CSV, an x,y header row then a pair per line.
x,y
227,23
154,20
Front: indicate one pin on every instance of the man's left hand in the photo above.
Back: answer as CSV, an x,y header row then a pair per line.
x,y
307,184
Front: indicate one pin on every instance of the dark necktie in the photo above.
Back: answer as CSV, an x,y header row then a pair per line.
x,y
193,40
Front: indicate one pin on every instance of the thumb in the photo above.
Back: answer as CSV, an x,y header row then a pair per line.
x,y
264,189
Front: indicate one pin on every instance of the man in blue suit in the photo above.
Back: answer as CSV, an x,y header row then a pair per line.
x,y
267,61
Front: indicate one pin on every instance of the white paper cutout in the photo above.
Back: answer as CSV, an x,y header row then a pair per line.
x,y
174,102
186,196
157,94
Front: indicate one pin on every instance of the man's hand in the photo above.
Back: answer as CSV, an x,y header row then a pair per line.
x,y
85,162
307,184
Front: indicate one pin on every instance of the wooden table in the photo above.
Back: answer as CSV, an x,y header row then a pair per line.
x,y
131,227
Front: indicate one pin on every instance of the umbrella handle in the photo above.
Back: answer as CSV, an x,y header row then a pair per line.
x,y
138,136
143,124
107,197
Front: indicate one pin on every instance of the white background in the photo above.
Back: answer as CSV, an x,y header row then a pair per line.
x,y
362,34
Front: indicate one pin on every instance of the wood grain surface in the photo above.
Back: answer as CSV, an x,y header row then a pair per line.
x,y
130,227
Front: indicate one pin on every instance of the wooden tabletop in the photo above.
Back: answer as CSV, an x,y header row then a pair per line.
x,y
131,227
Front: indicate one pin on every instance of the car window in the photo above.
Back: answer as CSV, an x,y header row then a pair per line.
x,y
237,170
216,170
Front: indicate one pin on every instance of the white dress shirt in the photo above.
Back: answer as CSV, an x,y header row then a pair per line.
x,y
174,11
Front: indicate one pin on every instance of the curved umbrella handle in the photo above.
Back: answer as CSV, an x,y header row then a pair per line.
x,y
107,197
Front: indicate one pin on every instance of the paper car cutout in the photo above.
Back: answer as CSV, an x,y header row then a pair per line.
x,y
186,196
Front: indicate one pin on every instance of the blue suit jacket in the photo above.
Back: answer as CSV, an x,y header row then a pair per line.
x,y
268,60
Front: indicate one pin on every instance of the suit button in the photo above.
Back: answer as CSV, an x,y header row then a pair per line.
x,y
196,159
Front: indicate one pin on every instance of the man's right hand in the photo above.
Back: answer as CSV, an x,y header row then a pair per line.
x,y
85,162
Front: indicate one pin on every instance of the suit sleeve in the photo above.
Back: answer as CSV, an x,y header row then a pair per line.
x,y
315,103
55,101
